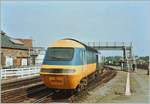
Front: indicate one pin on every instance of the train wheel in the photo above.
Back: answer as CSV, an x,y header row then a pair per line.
x,y
96,76
85,82
78,89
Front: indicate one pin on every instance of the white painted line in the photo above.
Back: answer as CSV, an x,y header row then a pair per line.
x,y
128,92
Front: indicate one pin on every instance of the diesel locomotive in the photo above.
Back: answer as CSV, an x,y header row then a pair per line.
x,y
69,65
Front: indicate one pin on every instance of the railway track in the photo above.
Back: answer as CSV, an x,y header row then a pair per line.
x,y
41,94
19,83
59,96
19,94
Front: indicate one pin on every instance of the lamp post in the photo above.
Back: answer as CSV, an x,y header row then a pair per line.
x,y
148,69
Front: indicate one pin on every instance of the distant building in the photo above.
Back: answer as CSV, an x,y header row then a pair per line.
x,y
38,54
15,52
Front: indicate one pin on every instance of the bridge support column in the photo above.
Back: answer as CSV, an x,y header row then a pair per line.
x,y
132,58
124,58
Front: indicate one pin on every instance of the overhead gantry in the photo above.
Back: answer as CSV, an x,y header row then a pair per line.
x,y
127,48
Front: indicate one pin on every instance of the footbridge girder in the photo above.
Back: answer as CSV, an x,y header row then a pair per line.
x,y
116,46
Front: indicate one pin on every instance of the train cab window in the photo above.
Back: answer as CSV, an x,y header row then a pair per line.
x,y
57,54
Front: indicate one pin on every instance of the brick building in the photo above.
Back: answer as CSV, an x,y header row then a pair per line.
x,y
15,52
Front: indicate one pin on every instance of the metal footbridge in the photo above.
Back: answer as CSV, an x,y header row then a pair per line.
x,y
127,48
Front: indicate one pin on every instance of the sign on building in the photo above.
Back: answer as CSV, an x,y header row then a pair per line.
x,y
9,61
24,62
39,59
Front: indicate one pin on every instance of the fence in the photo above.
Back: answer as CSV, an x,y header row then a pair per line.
x,y
20,72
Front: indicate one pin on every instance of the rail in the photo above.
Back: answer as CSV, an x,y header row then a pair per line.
x,y
20,72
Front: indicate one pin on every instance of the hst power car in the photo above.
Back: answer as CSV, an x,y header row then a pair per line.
x,y
69,64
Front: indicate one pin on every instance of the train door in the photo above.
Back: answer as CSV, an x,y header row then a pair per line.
x,y
97,62
84,63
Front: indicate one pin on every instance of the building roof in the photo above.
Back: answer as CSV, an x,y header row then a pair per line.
x,y
16,41
27,42
8,42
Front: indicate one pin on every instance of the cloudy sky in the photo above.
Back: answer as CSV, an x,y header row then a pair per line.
x,y
48,21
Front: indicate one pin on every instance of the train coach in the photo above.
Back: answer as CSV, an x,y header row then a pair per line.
x,y
69,65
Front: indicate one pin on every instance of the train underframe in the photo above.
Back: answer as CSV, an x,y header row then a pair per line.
x,y
83,83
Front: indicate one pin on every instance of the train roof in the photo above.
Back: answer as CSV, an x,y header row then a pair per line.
x,y
69,42
87,47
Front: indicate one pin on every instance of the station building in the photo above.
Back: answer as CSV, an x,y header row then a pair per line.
x,y
15,52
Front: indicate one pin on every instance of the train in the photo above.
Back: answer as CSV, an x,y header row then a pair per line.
x,y
69,65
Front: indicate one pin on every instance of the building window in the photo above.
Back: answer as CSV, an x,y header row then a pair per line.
x,y
24,62
9,61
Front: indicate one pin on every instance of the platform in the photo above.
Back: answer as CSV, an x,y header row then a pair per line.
x,y
114,90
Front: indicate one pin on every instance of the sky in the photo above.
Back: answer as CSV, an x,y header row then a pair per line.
x,y
86,21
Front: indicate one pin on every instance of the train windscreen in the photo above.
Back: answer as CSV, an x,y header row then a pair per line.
x,y
56,54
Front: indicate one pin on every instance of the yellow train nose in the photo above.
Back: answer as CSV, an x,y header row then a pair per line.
x,y
60,81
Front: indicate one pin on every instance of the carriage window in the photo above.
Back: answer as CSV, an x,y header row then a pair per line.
x,y
60,53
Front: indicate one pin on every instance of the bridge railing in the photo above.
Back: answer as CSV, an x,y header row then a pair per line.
x,y
19,72
109,44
